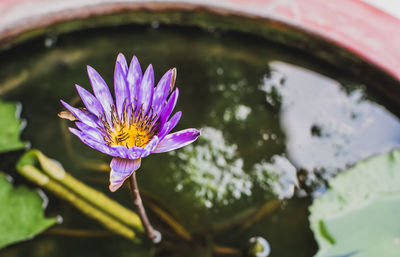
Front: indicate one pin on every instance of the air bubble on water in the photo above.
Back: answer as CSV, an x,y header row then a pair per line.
x,y
60,219
179,187
157,239
259,247
49,41
221,87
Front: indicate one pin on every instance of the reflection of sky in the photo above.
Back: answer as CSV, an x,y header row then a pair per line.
x,y
278,176
346,127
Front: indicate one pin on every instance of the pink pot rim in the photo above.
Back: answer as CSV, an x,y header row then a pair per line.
x,y
359,28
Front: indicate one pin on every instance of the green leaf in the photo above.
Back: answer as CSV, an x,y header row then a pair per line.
x,y
21,215
10,127
359,215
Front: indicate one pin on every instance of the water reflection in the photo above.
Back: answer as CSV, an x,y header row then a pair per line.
x,y
278,176
326,127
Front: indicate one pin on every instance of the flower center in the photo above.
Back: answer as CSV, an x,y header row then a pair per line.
x,y
133,129
131,135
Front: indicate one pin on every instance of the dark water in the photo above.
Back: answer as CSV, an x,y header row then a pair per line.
x,y
276,125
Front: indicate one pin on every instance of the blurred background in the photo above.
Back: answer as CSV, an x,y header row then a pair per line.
x,y
298,102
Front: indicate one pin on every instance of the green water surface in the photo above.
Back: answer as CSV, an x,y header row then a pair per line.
x,y
266,114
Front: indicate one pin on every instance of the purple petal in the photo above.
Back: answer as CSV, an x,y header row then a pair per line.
x,y
93,117
124,65
134,152
82,116
161,92
92,132
122,98
169,107
88,140
101,91
145,92
168,126
177,140
148,149
134,78
91,102
120,151
121,169
128,153
115,150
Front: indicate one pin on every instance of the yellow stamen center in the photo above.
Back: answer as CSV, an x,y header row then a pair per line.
x,y
132,129
130,135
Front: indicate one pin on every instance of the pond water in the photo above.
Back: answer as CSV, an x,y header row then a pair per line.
x,y
276,125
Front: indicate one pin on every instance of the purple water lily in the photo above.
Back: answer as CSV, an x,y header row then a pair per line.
x,y
136,124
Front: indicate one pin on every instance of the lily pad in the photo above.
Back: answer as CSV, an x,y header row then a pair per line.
x,y
10,127
21,215
359,215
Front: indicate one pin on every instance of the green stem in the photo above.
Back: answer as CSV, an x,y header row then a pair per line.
x,y
91,202
95,197
111,223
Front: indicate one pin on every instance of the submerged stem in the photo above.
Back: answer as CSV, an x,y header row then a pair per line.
x,y
154,235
